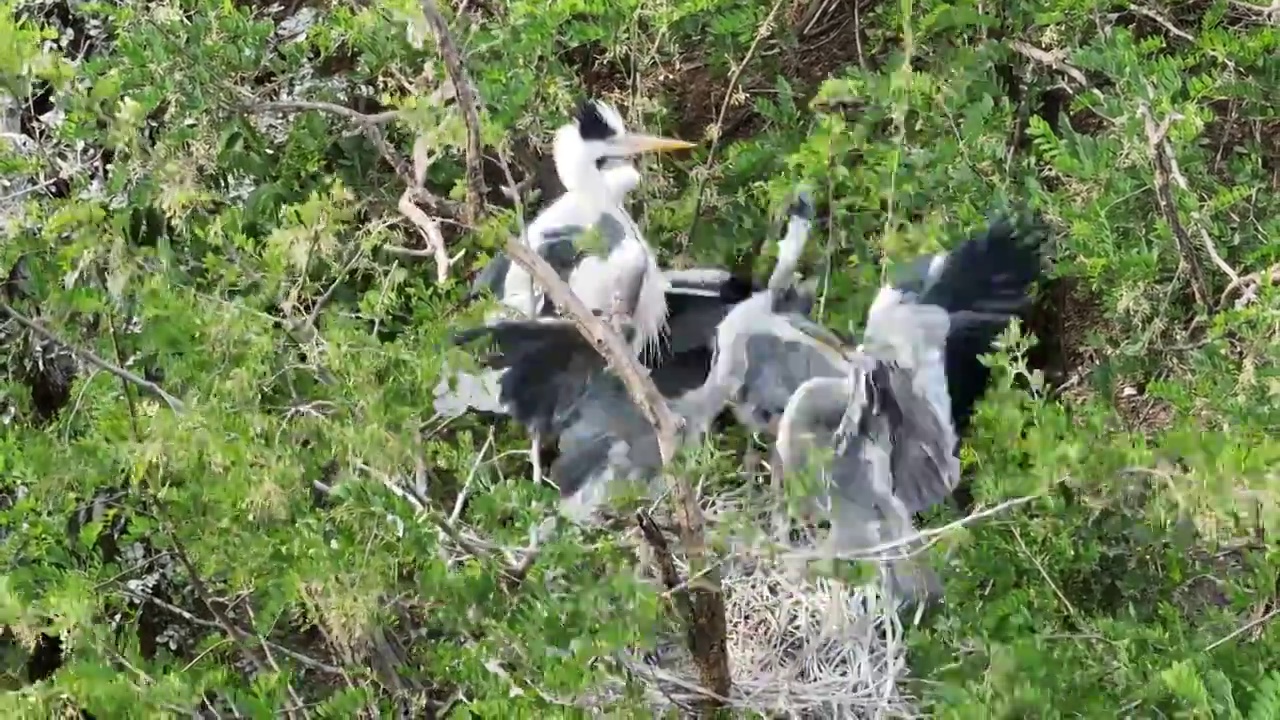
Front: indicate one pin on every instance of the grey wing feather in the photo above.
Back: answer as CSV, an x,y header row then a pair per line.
x,y
776,368
557,384
607,438
492,277
925,470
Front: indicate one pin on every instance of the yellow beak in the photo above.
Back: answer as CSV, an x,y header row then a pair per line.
x,y
634,144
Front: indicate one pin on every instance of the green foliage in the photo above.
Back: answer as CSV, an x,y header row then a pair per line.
x,y
250,259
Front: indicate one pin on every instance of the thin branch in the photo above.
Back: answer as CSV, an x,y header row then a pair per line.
x,y
1162,21
609,344
1244,628
708,619
880,551
467,102
1248,284
371,126
314,315
666,566
1051,59
210,624
430,229
1017,536
1164,198
354,116
174,403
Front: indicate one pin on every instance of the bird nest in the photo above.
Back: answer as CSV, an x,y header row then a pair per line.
x,y
799,645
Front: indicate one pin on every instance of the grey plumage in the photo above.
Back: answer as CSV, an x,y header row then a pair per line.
x,y
555,383
558,247
892,446
896,439
765,345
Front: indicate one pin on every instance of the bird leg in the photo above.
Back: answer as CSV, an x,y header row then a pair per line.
x,y
618,315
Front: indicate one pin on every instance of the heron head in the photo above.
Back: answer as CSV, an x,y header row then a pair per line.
x,y
598,141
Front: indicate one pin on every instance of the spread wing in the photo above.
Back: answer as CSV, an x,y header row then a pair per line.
x,y
557,384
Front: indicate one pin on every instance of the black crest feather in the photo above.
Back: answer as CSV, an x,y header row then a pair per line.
x,y
591,122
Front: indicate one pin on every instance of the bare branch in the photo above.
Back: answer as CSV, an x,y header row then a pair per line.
x,y
430,229
1246,285
371,126
467,102
1051,59
333,108
608,343
174,403
197,620
1164,198
708,616
1162,21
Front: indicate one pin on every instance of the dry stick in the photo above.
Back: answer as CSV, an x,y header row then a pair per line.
x,y
1051,59
667,568
1164,198
174,403
466,102
1243,629
353,115
708,617
1245,283
765,29
371,126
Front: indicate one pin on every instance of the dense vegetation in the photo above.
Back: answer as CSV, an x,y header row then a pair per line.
x,y
223,490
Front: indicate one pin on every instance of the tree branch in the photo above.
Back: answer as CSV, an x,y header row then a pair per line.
x,y
174,403
467,102
1050,59
1164,198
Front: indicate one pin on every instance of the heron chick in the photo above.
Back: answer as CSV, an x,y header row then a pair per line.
x,y
891,418
556,384
593,160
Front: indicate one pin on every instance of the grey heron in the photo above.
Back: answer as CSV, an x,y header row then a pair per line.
x,y
591,156
555,383
890,408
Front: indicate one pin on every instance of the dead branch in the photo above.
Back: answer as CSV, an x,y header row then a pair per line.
x,y
1162,21
467,102
1247,286
708,618
1164,198
371,126
174,403
666,566
430,229
1050,59
333,108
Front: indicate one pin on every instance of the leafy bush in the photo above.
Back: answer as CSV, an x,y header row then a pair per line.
x,y
179,214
